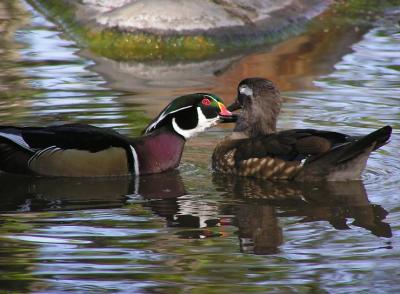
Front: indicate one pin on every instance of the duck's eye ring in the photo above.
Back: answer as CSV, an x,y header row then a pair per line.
x,y
206,102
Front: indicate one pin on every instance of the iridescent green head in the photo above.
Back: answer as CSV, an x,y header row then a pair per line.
x,y
191,114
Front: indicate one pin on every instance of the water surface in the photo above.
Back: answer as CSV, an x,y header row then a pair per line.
x,y
191,230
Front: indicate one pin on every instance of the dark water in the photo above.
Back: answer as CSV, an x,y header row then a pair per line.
x,y
191,230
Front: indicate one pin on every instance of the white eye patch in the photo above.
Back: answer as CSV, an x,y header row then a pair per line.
x,y
245,90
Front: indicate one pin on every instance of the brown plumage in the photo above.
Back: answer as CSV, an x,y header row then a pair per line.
x,y
256,149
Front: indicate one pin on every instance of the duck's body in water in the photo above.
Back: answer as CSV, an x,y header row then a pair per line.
x,y
79,150
256,149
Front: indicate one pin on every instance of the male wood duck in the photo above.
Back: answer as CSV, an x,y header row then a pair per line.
x,y
256,149
80,150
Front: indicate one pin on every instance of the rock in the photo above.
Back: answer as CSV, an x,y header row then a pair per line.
x,y
169,16
179,29
209,17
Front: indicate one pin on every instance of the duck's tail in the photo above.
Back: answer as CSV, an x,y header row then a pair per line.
x,y
345,162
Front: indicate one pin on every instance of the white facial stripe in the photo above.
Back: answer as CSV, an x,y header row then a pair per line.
x,y
202,124
246,90
161,117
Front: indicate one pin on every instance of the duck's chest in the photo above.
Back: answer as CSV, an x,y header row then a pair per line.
x,y
159,153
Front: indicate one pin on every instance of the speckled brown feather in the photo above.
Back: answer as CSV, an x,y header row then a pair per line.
x,y
266,167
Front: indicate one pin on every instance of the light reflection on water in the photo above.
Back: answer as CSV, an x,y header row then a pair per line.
x,y
190,230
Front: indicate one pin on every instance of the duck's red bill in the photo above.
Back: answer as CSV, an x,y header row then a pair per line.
x,y
228,119
225,115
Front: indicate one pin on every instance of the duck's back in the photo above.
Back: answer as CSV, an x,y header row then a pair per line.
x,y
68,150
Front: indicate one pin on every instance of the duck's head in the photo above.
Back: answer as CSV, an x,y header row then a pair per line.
x,y
260,102
191,114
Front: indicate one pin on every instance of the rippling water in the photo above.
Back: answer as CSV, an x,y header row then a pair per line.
x,y
361,94
190,230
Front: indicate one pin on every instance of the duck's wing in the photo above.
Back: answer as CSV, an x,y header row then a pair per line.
x,y
291,145
66,150
69,136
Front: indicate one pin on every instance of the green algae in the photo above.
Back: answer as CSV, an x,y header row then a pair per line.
x,y
127,46
345,15
362,8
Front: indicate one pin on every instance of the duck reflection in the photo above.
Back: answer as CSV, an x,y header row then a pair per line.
x,y
253,206
23,194
259,230
264,202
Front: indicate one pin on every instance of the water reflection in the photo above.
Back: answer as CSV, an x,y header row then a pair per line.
x,y
252,205
291,64
28,194
265,202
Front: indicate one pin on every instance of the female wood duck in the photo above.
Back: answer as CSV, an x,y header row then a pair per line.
x,y
256,149
79,150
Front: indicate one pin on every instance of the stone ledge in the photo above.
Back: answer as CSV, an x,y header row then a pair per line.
x,y
206,17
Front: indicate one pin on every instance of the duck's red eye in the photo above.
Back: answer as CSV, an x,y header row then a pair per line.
x,y
206,102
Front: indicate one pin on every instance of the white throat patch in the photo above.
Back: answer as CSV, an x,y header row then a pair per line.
x,y
246,90
202,124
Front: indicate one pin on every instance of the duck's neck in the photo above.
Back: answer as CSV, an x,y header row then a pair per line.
x,y
259,119
159,151
257,125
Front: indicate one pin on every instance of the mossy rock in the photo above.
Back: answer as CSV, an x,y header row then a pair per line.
x,y
189,30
